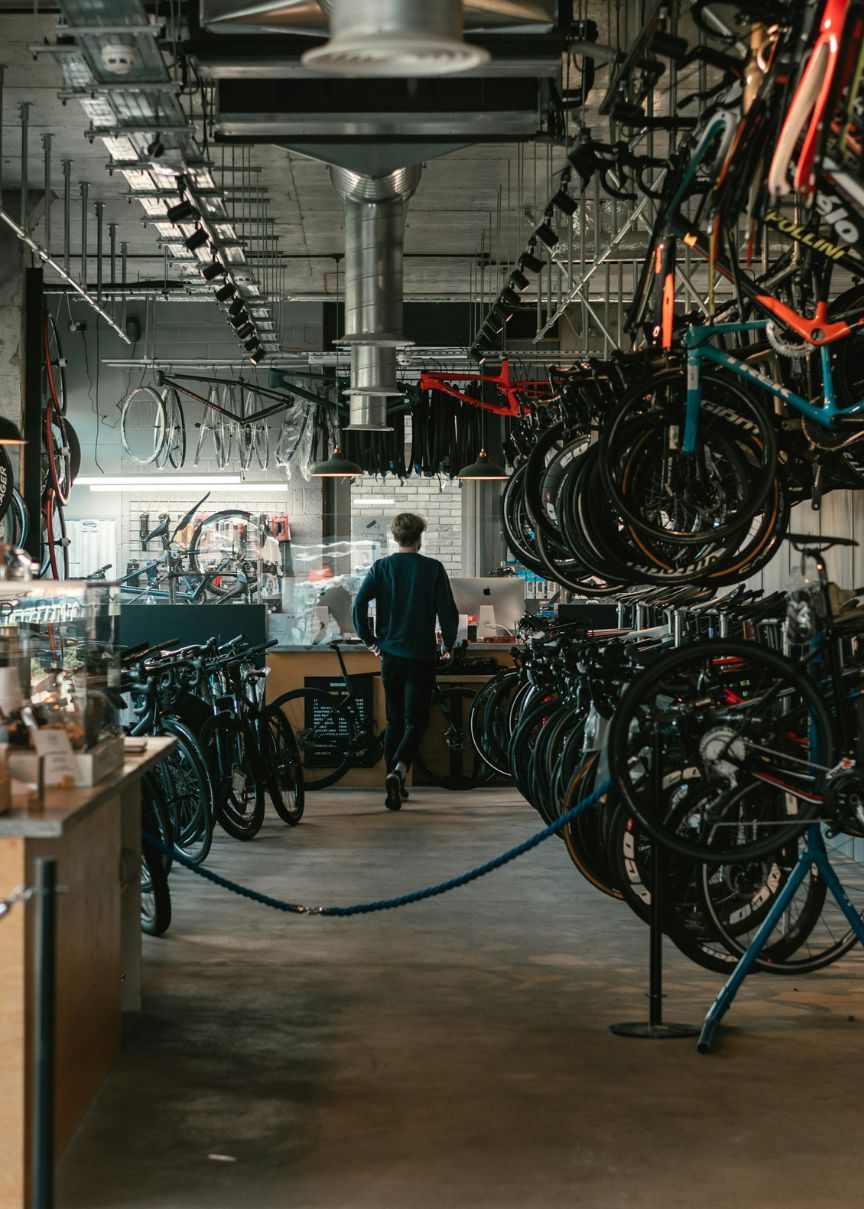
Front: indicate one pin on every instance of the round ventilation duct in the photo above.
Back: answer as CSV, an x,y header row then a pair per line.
x,y
395,38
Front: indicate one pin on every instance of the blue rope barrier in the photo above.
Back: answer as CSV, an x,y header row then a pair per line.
x,y
403,900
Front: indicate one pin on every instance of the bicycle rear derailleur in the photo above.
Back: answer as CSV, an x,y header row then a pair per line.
x,y
843,797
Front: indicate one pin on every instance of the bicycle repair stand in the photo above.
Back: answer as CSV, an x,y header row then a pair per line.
x,y
654,1028
813,854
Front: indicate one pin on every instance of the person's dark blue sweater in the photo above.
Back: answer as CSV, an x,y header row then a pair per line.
x,y
410,591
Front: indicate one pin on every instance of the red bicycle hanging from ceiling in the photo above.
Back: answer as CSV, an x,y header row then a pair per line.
x,y
518,394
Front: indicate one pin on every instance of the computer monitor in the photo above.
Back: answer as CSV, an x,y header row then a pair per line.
x,y
505,596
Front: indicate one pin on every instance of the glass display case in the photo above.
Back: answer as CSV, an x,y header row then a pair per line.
x,y
59,672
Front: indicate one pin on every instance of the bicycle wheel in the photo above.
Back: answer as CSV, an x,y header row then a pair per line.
x,y
327,732
283,766
57,440
812,932
173,448
188,787
53,367
155,894
15,525
7,482
228,541
143,425
692,498
55,542
230,750
447,756
735,714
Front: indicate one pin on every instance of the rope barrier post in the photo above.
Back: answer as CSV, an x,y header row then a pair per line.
x,y
43,1076
655,1029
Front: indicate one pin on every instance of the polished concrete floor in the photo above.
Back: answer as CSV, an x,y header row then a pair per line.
x,y
456,1054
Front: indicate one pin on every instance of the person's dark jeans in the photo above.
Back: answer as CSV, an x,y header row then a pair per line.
x,y
408,687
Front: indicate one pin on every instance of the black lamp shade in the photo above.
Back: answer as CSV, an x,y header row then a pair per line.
x,y
239,320
197,240
546,235
212,270
483,469
236,307
518,280
510,297
225,292
252,345
531,262
245,331
336,467
565,203
184,211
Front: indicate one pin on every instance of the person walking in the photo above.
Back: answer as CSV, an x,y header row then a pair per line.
x,y
410,591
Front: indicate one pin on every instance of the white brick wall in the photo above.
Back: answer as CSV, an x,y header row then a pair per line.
x,y
438,500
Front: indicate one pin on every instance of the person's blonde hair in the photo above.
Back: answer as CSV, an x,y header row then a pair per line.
x,y
407,528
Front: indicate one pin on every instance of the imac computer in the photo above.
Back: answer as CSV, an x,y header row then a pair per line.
x,y
476,597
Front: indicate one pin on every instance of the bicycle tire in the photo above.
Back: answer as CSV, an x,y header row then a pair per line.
x,y
230,748
324,727
53,366
638,725
7,482
188,787
55,540
463,767
206,527
747,419
283,766
155,894
59,455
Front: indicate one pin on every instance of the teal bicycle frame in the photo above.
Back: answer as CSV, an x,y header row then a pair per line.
x,y
699,350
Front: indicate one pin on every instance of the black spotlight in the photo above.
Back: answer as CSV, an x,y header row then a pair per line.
x,y
225,293
518,280
239,319
510,297
530,262
252,345
256,356
211,270
501,313
246,330
184,211
546,235
236,307
156,148
197,240
565,203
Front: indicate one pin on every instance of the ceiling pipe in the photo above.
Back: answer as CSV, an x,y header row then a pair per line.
x,y
374,239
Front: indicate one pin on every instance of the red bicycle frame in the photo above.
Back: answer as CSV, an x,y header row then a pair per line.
x,y
503,382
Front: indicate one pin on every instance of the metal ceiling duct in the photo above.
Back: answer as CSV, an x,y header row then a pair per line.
x,y
374,235
395,38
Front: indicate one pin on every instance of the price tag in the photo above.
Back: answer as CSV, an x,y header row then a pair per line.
x,y
53,744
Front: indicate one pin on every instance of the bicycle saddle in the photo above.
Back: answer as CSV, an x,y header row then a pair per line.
x,y
819,539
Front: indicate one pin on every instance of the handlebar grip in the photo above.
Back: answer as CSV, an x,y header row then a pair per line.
x,y
231,643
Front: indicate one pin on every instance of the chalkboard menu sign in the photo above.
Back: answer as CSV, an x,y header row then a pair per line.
x,y
333,727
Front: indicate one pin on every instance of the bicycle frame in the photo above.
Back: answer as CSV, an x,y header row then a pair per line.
x,y
502,381
700,350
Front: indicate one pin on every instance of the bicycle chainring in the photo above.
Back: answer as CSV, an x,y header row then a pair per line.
x,y
843,797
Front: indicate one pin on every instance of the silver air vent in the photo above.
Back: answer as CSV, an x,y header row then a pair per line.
x,y
395,38
374,232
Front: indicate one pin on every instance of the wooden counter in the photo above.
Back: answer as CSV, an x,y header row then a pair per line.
x,y
290,667
95,837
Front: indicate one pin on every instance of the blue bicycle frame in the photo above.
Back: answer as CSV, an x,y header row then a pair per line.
x,y
699,349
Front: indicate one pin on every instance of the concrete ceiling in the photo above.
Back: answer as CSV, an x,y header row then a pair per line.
x,y
488,195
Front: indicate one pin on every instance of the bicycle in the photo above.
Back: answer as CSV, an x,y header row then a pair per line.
x,y
335,731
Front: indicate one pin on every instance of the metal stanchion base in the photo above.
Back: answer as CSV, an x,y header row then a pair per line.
x,y
655,1032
